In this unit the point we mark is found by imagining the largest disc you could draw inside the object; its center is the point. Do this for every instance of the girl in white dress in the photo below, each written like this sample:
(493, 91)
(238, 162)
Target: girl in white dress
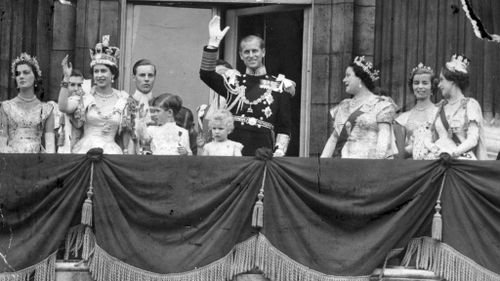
(165, 138)
(221, 124)
(418, 122)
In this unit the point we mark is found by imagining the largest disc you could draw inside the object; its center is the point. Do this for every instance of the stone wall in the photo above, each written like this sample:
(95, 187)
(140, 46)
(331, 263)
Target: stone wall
(342, 29)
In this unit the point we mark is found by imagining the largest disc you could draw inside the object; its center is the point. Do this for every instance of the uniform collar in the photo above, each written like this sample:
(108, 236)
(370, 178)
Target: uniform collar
(258, 72)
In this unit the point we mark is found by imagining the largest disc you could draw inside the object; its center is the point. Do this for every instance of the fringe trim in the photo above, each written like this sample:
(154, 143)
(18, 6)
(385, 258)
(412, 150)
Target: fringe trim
(277, 266)
(74, 241)
(42, 271)
(445, 261)
(105, 267)
(255, 252)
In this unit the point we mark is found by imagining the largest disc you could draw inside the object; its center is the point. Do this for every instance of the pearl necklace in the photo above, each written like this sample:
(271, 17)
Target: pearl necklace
(26, 99)
(109, 96)
(424, 108)
(356, 103)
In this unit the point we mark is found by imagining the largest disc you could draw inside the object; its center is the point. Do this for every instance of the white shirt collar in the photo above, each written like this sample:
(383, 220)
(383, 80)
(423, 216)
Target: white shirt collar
(143, 98)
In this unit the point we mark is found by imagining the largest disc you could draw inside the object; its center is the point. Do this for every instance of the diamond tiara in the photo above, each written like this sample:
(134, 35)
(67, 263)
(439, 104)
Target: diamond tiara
(458, 63)
(25, 58)
(367, 67)
(421, 68)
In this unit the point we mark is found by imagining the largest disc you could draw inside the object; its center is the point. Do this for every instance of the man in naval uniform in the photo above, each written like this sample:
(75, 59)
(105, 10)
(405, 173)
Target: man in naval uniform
(259, 102)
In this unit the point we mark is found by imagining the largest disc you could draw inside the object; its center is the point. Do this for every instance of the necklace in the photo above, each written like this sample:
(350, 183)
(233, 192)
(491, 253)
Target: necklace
(355, 103)
(454, 102)
(423, 108)
(104, 96)
(27, 99)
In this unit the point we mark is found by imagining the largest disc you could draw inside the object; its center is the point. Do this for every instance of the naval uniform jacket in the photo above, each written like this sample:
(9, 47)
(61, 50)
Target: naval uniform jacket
(274, 109)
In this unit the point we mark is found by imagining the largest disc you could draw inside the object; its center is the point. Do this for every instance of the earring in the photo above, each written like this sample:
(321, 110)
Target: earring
(360, 86)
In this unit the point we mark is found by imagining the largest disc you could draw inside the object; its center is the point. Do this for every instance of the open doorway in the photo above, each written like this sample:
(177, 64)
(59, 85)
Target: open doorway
(283, 32)
(156, 30)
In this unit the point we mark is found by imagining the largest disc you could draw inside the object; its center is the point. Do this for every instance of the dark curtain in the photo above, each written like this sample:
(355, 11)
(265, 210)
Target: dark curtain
(175, 214)
(39, 198)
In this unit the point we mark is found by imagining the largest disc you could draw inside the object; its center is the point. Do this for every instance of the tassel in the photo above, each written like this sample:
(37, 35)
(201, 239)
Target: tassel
(88, 236)
(87, 205)
(87, 209)
(258, 209)
(437, 223)
(258, 212)
(437, 220)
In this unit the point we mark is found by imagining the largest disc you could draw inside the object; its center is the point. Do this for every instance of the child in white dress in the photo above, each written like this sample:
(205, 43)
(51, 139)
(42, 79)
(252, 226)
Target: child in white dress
(221, 124)
(165, 137)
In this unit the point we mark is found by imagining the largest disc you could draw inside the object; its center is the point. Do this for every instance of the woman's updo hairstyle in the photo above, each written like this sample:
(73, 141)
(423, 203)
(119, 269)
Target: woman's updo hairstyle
(365, 71)
(457, 71)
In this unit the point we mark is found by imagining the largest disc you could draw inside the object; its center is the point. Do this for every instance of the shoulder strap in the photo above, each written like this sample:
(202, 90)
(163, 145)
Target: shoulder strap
(344, 134)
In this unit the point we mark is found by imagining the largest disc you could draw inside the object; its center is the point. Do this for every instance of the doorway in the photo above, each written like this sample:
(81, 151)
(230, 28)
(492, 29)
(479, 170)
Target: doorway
(282, 28)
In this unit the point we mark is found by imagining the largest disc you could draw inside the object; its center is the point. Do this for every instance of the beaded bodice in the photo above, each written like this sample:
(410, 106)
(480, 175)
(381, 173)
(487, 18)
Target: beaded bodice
(25, 122)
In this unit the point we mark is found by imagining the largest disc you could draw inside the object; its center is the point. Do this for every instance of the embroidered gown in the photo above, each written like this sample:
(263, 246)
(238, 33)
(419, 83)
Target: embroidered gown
(363, 136)
(469, 111)
(101, 128)
(422, 132)
(25, 124)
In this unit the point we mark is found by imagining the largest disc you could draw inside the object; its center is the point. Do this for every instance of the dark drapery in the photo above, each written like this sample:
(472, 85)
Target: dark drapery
(174, 214)
(39, 197)
(342, 217)
(179, 214)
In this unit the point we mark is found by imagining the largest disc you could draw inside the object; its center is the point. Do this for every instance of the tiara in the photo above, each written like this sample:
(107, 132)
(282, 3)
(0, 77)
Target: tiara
(104, 54)
(24, 58)
(458, 63)
(421, 68)
(367, 67)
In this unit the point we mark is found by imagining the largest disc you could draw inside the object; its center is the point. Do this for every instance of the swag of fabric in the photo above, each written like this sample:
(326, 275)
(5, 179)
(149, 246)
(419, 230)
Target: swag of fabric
(190, 218)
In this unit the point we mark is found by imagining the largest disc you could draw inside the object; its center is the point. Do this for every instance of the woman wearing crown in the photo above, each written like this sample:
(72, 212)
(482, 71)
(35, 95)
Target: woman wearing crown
(106, 113)
(24, 120)
(419, 132)
(460, 121)
(362, 124)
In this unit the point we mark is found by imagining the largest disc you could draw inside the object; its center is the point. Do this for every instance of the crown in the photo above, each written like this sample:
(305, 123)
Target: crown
(420, 69)
(458, 63)
(104, 54)
(24, 58)
(367, 67)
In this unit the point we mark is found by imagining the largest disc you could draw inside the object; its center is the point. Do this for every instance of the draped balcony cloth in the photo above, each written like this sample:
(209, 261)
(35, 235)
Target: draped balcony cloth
(483, 18)
(163, 218)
